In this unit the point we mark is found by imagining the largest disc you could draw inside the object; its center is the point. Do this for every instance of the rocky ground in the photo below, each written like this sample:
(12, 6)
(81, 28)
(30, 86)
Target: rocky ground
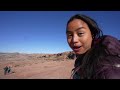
(37, 66)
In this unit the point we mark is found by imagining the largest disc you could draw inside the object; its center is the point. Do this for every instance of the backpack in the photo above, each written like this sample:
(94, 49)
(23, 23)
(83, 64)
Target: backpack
(112, 45)
(109, 67)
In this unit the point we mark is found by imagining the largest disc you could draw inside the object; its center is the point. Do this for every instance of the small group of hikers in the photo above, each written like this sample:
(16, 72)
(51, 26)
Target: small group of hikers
(7, 70)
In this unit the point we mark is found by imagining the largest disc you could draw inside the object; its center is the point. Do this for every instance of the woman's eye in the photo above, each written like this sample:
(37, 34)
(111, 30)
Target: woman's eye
(69, 35)
(80, 34)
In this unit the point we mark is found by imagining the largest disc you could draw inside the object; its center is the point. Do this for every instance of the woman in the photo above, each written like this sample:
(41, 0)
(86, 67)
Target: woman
(98, 55)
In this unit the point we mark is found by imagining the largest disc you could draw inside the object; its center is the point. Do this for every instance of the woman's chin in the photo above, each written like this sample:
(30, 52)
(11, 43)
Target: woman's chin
(79, 52)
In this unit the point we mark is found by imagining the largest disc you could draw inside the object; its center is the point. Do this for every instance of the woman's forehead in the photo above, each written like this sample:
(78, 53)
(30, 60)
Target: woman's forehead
(77, 21)
(76, 24)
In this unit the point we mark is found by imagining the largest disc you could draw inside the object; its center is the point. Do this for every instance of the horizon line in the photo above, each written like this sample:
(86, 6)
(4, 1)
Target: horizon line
(33, 53)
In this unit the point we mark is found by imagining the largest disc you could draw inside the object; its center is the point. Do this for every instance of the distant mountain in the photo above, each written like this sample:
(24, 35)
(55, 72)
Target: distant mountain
(22, 56)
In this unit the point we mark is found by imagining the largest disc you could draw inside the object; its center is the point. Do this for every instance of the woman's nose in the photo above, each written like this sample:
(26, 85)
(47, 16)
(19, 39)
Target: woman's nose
(75, 39)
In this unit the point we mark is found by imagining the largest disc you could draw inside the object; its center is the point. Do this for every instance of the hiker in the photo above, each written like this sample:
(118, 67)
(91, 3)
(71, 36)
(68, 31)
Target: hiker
(9, 69)
(98, 55)
(5, 70)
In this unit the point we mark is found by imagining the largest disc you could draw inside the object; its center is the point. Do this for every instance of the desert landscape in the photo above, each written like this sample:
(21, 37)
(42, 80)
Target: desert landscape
(37, 66)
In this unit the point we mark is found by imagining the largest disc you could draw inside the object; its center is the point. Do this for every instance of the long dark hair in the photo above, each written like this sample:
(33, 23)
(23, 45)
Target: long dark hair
(92, 61)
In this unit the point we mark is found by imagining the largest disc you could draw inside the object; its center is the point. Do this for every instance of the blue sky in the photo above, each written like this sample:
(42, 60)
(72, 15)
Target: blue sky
(44, 31)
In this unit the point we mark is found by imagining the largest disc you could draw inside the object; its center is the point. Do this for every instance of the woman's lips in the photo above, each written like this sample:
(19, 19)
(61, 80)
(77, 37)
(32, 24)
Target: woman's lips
(76, 48)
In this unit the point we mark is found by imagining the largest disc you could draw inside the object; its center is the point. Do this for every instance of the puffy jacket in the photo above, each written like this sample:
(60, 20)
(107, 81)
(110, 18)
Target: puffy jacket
(101, 62)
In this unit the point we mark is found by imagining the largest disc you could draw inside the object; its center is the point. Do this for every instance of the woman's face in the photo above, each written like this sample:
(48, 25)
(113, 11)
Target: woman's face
(79, 36)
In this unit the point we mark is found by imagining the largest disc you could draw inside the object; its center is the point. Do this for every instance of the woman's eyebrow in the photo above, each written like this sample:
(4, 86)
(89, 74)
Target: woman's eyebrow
(68, 31)
(79, 28)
